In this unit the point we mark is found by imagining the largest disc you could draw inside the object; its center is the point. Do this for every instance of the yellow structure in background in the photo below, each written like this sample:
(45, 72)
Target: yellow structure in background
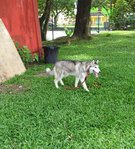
(98, 18)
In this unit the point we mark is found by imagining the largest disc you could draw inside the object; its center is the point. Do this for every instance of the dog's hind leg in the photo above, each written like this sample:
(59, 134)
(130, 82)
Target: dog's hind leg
(60, 78)
(56, 80)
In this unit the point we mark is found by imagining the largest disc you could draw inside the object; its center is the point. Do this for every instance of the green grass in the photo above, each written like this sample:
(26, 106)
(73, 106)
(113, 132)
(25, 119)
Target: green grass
(42, 117)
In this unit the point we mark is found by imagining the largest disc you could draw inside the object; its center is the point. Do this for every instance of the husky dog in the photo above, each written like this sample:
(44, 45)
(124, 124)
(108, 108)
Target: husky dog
(78, 69)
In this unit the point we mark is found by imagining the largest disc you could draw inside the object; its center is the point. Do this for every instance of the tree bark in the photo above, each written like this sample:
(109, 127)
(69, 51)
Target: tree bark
(55, 20)
(82, 19)
(45, 19)
(41, 20)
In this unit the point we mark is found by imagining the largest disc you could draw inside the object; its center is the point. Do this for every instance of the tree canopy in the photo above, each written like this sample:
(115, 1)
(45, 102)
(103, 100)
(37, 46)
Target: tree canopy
(56, 7)
(121, 13)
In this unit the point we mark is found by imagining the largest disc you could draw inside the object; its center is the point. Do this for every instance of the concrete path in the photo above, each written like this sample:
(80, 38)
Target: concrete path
(57, 34)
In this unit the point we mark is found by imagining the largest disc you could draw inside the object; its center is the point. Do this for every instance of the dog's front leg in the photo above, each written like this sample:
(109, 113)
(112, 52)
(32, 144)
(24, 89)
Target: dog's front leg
(61, 82)
(85, 86)
(84, 83)
(56, 83)
(76, 81)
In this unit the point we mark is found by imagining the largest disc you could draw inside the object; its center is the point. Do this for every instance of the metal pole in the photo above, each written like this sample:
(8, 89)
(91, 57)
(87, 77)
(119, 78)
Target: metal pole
(110, 14)
(52, 29)
(98, 22)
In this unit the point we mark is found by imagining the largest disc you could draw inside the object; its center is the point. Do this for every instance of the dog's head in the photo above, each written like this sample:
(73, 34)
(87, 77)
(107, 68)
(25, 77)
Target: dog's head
(94, 68)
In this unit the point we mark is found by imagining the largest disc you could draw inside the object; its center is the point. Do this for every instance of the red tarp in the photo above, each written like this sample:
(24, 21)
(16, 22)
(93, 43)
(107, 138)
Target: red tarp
(21, 20)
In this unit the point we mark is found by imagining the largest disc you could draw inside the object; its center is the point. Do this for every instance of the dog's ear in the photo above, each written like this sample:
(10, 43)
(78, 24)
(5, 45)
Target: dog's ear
(93, 62)
(97, 61)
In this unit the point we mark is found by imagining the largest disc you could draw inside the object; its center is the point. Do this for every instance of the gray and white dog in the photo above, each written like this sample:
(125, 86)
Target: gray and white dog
(78, 69)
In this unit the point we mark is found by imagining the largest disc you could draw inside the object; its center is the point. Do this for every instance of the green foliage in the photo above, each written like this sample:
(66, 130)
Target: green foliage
(123, 16)
(35, 57)
(104, 4)
(26, 55)
(131, 4)
(68, 31)
(41, 5)
(65, 7)
(131, 22)
(58, 6)
(41, 116)
(121, 12)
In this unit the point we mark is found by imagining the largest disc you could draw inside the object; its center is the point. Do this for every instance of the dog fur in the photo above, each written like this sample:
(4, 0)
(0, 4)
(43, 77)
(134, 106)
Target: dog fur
(79, 69)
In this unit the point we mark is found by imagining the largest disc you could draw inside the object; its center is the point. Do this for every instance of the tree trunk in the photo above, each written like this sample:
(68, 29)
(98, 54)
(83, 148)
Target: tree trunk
(82, 19)
(45, 19)
(41, 19)
(55, 20)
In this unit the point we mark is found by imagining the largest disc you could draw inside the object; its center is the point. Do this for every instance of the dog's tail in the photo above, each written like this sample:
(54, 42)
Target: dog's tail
(49, 72)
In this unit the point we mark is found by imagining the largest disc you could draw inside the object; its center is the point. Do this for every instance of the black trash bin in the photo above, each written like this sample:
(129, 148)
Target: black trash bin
(50, 54)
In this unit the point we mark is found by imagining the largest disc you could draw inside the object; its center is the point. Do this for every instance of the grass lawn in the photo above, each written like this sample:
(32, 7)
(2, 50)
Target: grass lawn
(39, 116)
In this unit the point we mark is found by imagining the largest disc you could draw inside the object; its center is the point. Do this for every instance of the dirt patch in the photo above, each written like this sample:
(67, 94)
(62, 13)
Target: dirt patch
(97, 84)
(42, 74)
(11, 88)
